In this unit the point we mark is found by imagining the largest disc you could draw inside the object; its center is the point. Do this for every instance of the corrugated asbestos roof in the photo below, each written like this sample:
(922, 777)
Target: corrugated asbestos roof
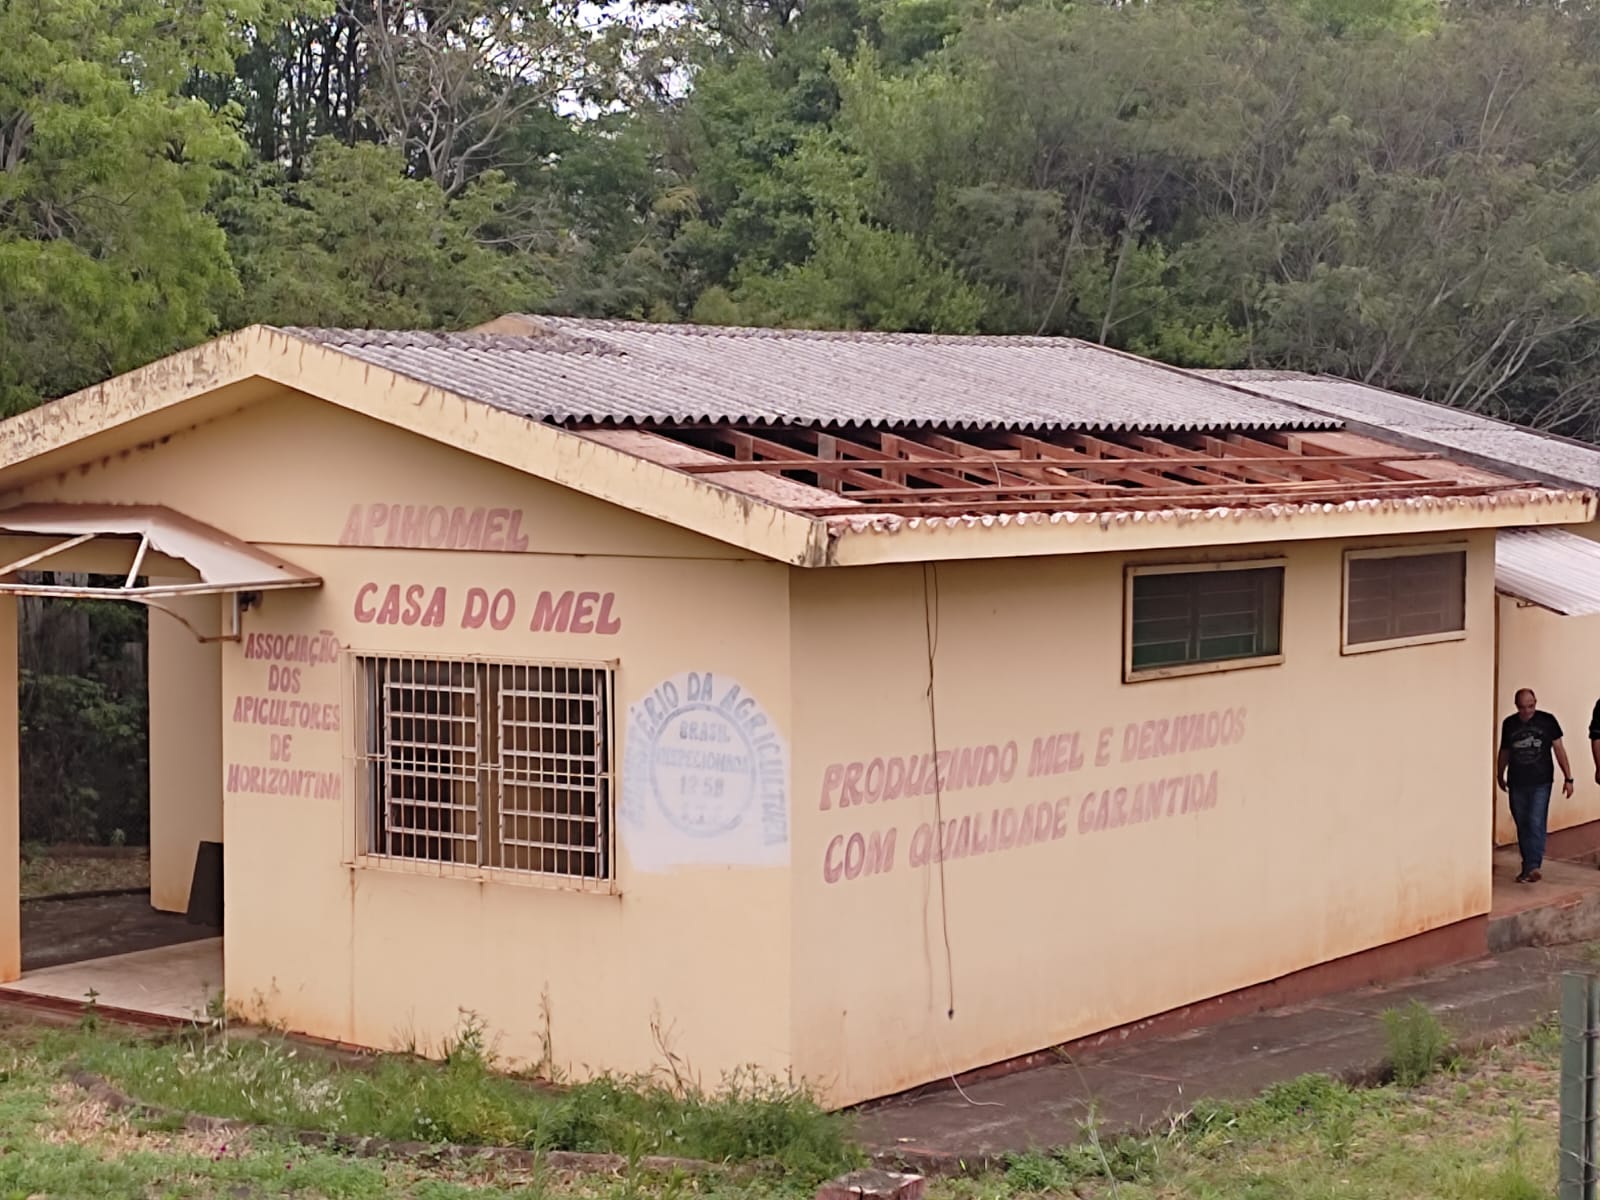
(606, 371)
(1450, 429)
(1552, 568)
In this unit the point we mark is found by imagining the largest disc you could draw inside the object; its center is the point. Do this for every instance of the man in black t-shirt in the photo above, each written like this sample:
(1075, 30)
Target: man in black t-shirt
(1528, 737)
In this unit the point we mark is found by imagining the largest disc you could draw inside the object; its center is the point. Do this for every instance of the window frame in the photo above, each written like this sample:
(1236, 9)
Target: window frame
(1132, 571)
(1347, 647)
(360, 823)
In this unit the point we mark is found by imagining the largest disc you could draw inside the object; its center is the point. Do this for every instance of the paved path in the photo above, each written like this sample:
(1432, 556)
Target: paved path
(1141, 1086)
(68, 931)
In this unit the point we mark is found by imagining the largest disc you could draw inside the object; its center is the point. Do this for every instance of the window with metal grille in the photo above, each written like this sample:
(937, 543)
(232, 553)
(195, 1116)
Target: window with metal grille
(1404, 596)
(488, 765)
(1197, 616)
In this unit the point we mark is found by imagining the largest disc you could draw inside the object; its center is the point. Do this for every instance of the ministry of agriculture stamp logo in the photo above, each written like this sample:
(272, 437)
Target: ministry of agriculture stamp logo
(705, 777)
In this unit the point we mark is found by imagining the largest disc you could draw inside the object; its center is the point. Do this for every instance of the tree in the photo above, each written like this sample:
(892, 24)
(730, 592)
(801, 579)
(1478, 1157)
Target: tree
(356, 243)
(859, 277)
(452, 80)
(108, 257)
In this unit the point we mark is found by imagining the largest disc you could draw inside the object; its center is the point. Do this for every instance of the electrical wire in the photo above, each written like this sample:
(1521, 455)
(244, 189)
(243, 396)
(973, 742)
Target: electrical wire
(930, 610)
(930, 619)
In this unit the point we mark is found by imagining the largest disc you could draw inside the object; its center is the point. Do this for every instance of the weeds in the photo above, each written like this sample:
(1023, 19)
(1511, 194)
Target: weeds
(1546, 1036)
(463, 1099)
(90, 1021)
(1417, 1041)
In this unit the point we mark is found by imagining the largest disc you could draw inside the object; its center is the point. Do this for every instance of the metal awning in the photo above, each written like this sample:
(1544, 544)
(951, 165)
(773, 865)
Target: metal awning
(1551, 568)
(222, 563)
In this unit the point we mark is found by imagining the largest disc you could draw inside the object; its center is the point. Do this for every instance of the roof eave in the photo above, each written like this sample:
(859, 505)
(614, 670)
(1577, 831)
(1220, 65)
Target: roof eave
(864, 542)
(141, 398)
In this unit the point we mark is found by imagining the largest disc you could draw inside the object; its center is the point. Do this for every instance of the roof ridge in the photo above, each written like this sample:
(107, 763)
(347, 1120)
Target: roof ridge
(557, 322)
(554, 341)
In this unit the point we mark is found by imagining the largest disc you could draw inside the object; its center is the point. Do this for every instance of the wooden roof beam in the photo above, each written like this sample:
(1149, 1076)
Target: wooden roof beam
(895, 467)
(1003, 464)
(750, 445)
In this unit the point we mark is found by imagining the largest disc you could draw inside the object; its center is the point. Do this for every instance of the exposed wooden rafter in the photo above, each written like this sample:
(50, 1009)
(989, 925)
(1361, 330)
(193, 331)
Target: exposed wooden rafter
(922, 471)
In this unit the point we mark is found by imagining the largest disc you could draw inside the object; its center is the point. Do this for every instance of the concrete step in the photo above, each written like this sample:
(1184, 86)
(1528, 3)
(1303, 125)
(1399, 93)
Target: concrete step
(1562, 907)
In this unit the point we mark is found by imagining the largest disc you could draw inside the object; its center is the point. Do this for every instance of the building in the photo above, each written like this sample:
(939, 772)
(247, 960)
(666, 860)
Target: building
(870, 708)
(1547, 613)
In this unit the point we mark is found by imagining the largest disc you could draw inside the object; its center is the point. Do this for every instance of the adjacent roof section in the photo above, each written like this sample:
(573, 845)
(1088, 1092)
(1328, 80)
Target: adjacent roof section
(1542, 456)
(1551, 568)
(568, 370)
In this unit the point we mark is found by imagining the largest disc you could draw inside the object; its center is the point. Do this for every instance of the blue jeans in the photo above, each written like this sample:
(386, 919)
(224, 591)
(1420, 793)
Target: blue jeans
(1530, 809)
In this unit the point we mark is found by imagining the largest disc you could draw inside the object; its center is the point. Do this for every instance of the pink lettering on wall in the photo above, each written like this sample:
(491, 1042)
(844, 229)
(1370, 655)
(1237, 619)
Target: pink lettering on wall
(417, 604)
(279, 712)
(434, 527)
(858, 855)
(1112, 808)
(312, 649)
(294, 663)
(411, 604)
(998, 830)
(882, 779)
(1181, 735)
(1002, 828)
(1063, 752)
(253, 780)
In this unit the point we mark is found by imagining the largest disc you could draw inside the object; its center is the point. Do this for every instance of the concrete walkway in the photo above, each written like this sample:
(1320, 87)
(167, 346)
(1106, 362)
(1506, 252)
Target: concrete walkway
(1141, 1086)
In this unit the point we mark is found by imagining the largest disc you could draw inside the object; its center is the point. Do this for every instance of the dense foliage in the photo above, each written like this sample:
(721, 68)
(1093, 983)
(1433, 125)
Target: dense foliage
(1390, 189)
(1401, 191)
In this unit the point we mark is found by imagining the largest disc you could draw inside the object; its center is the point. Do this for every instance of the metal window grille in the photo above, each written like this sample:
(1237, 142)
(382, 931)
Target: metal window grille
(1403, 596)
(487, 765)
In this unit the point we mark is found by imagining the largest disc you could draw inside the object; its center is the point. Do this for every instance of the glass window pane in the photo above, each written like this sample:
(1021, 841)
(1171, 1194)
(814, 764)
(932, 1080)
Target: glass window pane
(1406, 596)
(1205, 616)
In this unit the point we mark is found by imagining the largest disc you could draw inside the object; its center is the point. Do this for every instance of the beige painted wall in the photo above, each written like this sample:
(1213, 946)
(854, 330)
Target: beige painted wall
(690, 957)
(1348, 811)
(1556, 656)
(380, 958)
(185, 689)
(291, 470)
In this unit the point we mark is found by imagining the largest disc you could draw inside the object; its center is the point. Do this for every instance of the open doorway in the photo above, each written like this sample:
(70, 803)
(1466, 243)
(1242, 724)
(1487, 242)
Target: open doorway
(119, 802)
(190, 585)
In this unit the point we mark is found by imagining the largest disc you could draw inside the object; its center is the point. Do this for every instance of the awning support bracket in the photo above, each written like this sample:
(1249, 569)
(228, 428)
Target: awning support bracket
(23, 564)
(235, 631)
(138, 561)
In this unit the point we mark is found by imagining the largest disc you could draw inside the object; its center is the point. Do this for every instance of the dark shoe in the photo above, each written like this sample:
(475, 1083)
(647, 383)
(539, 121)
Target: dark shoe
(1523, 878)
(1534, 876)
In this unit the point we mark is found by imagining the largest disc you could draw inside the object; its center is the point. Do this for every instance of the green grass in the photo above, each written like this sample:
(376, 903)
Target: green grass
(1480, 1130)
(271, 1081)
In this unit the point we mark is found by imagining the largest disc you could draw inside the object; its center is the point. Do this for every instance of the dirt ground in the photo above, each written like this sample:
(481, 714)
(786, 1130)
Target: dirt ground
(66, 931)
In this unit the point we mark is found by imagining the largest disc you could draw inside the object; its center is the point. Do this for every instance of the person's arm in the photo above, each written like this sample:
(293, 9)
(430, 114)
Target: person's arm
(1566, 767)
(1501, 761)
(1594, 739)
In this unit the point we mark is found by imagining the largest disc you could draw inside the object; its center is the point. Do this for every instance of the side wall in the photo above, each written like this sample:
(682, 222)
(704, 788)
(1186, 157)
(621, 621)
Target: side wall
(689, 955)
(1337, 805)
(1556, 657)
(185, 688)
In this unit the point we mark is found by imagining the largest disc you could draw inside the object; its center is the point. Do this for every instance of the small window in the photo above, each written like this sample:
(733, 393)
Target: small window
(499, 766)
(1209, 616)
(1404, 597)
